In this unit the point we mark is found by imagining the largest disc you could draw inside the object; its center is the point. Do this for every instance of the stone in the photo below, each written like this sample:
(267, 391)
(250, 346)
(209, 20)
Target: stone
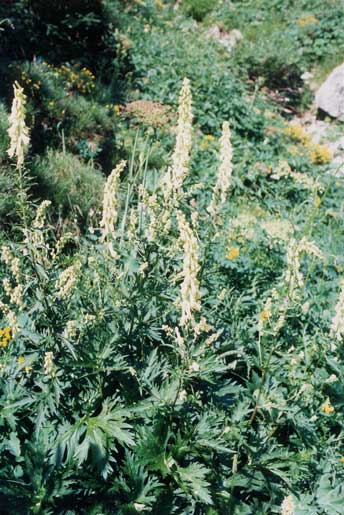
(330, 96)
(227, 39)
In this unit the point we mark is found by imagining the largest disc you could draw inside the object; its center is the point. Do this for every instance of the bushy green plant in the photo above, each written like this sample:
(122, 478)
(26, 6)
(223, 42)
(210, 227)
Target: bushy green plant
(198, 9)
(179, 358)
(71, 184)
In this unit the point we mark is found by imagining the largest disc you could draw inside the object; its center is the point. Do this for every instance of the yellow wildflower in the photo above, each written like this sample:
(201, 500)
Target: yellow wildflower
(327, 407)
(233, 253)
(265, 315)
(303, 21)
(20, 360)
(342, 459)
(320, 155)
(5, 336)
(298, 133)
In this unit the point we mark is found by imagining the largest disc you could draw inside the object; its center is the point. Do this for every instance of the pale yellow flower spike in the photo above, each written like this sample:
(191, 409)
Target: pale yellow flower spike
(110, 202)
(18, 131)
(225, 170)
(287, 506)
(175, 176)
(190, 293)
(337, 327)
(226, 166)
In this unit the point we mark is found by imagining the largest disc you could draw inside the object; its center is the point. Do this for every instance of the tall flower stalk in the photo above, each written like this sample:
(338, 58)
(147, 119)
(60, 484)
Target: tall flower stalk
(225, 170)
(18, 131)
(110, 205)
(337, 327)
(190, 292)
(174, 178)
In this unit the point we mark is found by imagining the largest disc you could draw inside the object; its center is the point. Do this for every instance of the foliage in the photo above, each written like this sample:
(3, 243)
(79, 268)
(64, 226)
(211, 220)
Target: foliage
(112, 400)
(70, 184)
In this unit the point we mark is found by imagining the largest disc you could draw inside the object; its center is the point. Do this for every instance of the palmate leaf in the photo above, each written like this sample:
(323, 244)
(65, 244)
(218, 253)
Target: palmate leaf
(330, 499)
(95, 436)
(192, 479)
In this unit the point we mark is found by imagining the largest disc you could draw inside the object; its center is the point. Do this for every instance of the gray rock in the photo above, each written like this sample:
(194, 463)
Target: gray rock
(228, 39)
(330, 95)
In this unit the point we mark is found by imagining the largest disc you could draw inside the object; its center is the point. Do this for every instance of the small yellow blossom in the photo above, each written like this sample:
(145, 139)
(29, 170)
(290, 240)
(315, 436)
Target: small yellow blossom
(320, 155)
(342, 459)
(5, 336)
(20, 360)
(303, 21)
(298, 133)
(233, 253)
(327, 407)
(265, 315)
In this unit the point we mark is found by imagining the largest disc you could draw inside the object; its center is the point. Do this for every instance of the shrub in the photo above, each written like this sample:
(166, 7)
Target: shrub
(198, 9)
(72, 186)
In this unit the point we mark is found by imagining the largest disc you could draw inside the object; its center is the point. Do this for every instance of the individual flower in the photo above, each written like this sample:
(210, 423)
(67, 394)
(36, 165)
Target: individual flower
(18, 131)
(233, 253)
(327, 407)
(190, 292)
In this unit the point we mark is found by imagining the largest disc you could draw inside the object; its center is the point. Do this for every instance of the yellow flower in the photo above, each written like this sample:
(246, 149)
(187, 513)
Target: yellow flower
(265, 315)
(298, 133)
(342, 459)
(320, 155)
(307, 20)
(20, 360)
(233, 253)
(5, 336)
(327, 407)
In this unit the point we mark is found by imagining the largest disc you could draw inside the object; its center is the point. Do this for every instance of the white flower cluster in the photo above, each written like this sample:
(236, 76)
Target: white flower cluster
(110, 203)
(225, 169)
(190, 293)
(337, 327)
(18, 131)
(175, 175)
(67, 280)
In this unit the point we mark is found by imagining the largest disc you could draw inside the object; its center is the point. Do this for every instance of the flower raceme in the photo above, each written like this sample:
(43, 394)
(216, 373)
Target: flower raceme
(18, 131)
(175, 175)
(337, 327)
(110, 203)
(225, 169)
(190, 293)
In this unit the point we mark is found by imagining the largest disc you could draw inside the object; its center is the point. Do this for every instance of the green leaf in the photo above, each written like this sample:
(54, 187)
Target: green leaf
(193, 480)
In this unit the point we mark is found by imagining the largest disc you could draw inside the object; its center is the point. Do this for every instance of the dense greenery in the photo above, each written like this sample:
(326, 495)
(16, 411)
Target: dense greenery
(113, 399)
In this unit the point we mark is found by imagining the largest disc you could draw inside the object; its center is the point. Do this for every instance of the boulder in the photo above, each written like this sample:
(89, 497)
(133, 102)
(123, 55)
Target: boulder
(228, 39)
(330, 96)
